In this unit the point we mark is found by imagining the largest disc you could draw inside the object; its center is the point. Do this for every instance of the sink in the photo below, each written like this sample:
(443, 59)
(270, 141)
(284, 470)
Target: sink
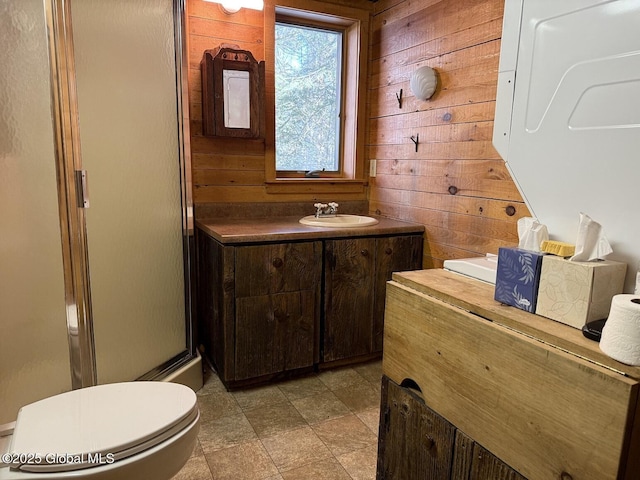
(340, 220)
(482, 268)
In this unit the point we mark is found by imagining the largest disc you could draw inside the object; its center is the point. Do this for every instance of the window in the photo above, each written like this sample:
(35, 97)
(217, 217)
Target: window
(308, 79)
(316, 67)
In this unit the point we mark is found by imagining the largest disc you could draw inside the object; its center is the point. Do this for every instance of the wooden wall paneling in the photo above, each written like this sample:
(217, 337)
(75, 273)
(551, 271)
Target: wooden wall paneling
(432, 176)
(456, 184)
(234, 171)
(475, 112)
(465, 64)
(479, 206)
(426, 20)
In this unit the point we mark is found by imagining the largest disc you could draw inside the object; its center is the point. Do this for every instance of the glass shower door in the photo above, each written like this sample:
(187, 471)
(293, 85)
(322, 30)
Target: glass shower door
(128, 117)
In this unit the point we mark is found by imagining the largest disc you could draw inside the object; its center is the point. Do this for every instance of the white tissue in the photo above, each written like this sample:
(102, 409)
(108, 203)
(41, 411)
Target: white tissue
(621, 333)
(531, 234)
(591, 243)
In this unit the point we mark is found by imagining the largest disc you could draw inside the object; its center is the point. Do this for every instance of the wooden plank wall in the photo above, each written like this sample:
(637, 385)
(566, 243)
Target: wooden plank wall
(455, 184)
(224, 170)
(229, 170)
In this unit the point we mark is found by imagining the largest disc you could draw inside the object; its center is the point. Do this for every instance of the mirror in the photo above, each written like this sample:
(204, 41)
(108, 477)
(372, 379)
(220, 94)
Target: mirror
(232, 93)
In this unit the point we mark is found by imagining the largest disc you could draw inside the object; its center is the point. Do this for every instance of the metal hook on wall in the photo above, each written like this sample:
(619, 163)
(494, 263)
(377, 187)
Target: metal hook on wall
(416, 140)
(399, 98)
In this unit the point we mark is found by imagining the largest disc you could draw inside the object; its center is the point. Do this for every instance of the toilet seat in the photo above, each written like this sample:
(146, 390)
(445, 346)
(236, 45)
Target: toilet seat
(99, 425)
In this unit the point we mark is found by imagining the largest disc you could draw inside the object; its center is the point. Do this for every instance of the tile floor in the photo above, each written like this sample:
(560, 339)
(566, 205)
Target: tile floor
(321, 427)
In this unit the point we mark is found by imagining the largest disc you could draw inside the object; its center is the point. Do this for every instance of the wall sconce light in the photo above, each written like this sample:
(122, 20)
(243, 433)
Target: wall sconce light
(424, 82)
(233, 6)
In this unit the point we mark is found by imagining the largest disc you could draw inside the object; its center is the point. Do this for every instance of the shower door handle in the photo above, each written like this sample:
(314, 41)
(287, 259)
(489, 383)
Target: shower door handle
(82, 189)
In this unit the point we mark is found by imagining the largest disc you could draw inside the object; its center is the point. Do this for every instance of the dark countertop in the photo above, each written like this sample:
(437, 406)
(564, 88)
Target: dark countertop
(276, 229)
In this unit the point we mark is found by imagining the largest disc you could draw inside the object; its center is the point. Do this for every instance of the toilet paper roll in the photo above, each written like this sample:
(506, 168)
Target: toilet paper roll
(621, 334)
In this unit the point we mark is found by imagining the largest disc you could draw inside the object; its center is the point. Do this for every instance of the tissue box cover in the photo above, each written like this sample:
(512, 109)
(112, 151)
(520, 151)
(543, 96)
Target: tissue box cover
(575, 293)
(518, 277)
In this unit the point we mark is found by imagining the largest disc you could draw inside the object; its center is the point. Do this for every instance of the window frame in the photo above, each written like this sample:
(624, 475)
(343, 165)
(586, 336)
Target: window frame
(355, 24)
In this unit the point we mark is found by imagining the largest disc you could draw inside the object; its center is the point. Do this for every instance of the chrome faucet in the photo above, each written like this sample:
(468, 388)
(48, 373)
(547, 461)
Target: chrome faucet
(326, 209)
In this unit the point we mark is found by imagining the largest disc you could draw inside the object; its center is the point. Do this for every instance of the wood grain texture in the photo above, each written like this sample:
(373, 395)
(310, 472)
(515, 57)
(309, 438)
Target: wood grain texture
(216, 303)
(487, 466)
(222, 173)
(275, 333)
(393, 254)
(348, 305)
(415, 443)
(541, 410)
(456, 184)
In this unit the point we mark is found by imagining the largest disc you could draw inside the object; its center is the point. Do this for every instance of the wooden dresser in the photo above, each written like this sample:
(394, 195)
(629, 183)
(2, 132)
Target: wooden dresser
(473, 389)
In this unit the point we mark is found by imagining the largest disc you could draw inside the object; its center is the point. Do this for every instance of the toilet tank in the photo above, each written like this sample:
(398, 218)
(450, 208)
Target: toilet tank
(567, 118)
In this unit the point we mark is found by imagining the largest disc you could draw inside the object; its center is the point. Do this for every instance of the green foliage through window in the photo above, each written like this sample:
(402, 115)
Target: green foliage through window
(308, 83)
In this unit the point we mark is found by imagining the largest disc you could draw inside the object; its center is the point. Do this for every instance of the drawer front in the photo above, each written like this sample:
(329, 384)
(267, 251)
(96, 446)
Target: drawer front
(543, 411)
(277, 268)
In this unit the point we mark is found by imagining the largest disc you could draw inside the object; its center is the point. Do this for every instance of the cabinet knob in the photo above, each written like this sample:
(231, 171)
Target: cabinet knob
(364, 252)
(388, 250)
(277, 262)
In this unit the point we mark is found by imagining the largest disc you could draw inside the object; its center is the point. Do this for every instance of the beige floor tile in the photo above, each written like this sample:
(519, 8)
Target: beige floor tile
(216, 405)
(295, 448)
(358, 397)
(302, 387)
(371, 418)
(225, 432)
(361, 464)
(345, 434)
(212, 383)
(259, 397)
(341, 378)
(329, 469)
(273, 419)
(246, 461)
(196, 468)
(371, 371)
(318, 408)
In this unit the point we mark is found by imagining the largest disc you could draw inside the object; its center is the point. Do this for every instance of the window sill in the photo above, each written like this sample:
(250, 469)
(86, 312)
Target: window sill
(315, 185)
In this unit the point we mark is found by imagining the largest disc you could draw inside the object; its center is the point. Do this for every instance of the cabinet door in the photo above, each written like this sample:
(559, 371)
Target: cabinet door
(275, 333)
(348, 300)
(414, 442)
(277, 313)
(471, 461)
(393, 254)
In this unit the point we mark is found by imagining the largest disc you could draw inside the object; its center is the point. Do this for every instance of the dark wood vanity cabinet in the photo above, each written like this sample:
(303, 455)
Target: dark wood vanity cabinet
(356, 272)
(269, 308)
(415, 443)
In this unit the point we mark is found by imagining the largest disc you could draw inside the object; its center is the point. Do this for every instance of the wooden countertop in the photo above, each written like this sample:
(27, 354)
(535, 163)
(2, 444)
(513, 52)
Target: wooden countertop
(477, 297)
(278, 229)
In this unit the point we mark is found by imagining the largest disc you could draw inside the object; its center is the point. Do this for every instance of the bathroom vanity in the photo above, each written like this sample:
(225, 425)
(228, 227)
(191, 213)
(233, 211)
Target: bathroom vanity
(473, 389)
(276, 296)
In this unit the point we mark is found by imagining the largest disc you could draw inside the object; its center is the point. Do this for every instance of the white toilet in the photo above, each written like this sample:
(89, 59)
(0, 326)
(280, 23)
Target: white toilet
(134, 430)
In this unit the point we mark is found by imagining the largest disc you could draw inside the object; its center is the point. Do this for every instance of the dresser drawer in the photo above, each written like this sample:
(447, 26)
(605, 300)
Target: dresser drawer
(547, 413)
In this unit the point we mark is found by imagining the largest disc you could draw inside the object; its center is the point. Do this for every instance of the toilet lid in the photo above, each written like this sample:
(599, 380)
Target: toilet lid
(99, 425)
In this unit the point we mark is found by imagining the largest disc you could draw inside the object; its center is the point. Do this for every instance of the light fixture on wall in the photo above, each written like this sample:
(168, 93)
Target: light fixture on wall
(424, 82)
(233, 6)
